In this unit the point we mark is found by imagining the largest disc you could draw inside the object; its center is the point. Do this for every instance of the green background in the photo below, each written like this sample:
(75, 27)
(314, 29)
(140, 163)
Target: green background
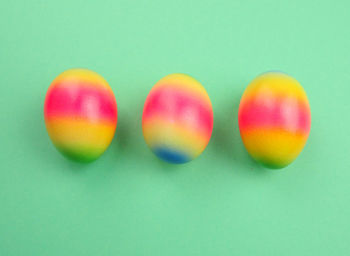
(130, 203)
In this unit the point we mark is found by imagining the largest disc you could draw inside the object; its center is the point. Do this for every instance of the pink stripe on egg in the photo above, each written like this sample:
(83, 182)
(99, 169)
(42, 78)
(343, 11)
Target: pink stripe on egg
(180, 107)
(79, 100)
(287, 113)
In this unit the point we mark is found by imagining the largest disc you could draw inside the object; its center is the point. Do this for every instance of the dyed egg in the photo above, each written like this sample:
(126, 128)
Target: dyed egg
(177, 119)
(80, 114)
(274, 119)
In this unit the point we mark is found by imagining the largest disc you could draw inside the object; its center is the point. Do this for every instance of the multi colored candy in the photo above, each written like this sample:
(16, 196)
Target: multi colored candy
(80, 114)
(177, 118)
(274, 119)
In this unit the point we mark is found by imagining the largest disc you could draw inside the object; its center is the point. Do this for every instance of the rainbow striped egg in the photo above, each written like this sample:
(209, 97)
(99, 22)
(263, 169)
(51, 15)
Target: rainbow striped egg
(274, 119)
(177, 119)
(80, 114)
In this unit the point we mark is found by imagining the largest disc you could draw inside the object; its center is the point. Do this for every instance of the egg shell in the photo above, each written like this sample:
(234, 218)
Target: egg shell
(177, 119)
(274, 119)
(80, 114)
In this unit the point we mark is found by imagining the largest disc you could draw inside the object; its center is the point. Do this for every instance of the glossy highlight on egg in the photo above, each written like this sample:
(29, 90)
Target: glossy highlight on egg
(274, 119)
(80, 114)
(177, 119)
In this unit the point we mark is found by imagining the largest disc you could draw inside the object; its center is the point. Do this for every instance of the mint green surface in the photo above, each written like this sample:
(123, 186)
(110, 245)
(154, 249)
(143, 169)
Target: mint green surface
(130, 203)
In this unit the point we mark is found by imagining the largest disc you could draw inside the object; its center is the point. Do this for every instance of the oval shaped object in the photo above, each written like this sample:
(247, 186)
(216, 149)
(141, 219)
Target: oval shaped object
(177, 119)
(274, 119)
(80, 114)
